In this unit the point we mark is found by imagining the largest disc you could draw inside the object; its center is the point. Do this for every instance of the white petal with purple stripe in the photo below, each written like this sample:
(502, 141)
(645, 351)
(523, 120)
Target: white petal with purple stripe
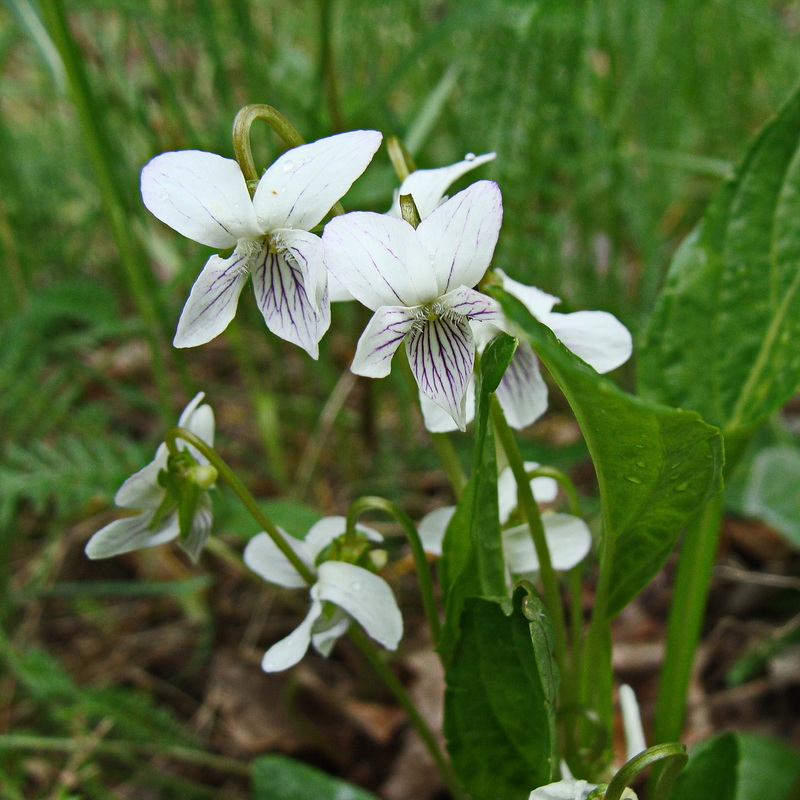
(523, 393)
(381, 338)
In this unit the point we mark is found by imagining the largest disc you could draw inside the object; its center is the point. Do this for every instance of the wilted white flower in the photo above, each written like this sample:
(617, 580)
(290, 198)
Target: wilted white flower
(204, 196)
(357, 593)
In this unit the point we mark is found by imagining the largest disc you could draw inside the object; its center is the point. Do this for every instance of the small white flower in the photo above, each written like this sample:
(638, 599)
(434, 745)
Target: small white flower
(418, 284)
(568, 538)
(204, 196)
(358, 593)
(143, 493)
(427, 187)
(566, 789)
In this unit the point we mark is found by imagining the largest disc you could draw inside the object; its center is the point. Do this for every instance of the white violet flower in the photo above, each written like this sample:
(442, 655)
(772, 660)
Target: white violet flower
(357, 593)
(417, 281)
(568, 538)
(143, 493)
(204, 196)
(427, 187)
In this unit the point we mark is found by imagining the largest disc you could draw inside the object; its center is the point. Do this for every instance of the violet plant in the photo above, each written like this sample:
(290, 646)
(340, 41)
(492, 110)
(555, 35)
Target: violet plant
(530, 700)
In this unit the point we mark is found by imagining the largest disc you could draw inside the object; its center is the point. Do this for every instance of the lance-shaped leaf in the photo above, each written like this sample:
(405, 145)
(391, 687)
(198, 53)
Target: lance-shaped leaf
(502, 683)
(724, 339)
(472, 552)
(656, 466)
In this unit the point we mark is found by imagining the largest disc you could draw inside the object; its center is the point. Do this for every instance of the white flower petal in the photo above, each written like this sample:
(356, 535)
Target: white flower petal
(379, 260)
(568, 789)
(324, 637)
(539, 303)
(213, 300)
(476, 307)
(130, 533)
(200, 529)
(279, 284)
(432, 528)
(544, 489)
(201, 195)
(568, 540)
(437, 420)
(427, 186)
(460, 235)
(302, 186)
(287, 652)
(323, 532)
(265, 559)
(379, 341)
(141, 490)
(365, 597)
(441, 353)
(635, 742)
(597, 337)
(522, 392)
(337, 291)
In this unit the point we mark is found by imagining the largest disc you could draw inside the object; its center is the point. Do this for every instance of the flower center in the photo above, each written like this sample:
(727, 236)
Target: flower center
(432, 311)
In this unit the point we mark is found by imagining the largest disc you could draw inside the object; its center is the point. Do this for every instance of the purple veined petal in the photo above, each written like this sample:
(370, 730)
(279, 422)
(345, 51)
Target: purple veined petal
(539, 303)
(460, 235)
(141, 491)
(437, 420)
(365, 597)
(427, 186)
(379, 260)
(522, 392)
(326, 632)
(287, 652)
(323, 532)
(568, 540)
(200, 528)
(544, 489)
(201, 195)
(597, 337)
(265, 559)
(379, 341)
(302, 186)
(441, 353)
(432, 528)
(279, 284)
(131, 533)
(475, 306)
(213, 300)
(305, 250)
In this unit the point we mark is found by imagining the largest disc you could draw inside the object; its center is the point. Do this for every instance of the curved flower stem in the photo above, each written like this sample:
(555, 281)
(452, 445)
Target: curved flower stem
(530, 511)
(247, 499)
(573, 499)
(362, 504)
(401, 695)
(675, 758)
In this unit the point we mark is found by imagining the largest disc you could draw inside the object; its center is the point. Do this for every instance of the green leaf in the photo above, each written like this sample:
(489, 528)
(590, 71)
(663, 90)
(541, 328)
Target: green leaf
(771, 492)
(724, 339)
(737, 766)
(656, 466)
(472, 562)
(499, 713)
(277, 777)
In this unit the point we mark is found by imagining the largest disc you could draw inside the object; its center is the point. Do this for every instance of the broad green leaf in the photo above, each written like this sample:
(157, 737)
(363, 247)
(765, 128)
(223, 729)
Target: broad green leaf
(736, 766)
(472, 554)
(278, 777)
(656, 466)
(499, 713)
(772, 492)
(724, 339)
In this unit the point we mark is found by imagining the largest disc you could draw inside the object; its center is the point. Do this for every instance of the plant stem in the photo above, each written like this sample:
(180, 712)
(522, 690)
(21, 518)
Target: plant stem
(247, 499)
(358, 507)
(686, 618)
(98, 144)
(327, 66)
(415, 718)
(530, 510)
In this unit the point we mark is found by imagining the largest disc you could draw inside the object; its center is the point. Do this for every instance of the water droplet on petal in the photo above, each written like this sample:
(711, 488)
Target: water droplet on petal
(469, 157)
(269, 666)
(283, 188)
(355, 586)
(288, 166)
